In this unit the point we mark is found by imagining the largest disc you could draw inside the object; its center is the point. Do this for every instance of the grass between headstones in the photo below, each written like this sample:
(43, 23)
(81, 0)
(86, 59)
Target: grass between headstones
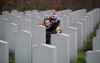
(87, 46)
(81, 57)
(11, 57)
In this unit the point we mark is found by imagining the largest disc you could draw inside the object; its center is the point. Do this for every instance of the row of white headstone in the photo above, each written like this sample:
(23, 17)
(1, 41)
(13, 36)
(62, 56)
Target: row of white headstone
(27, 39)
(4, 54)
(94, 56)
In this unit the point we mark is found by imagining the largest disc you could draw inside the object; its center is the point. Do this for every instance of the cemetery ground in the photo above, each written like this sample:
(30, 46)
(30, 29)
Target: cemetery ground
(81, 52)
(26, 41)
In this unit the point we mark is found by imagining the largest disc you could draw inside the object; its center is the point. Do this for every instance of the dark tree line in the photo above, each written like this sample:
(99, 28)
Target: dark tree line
(48, 4)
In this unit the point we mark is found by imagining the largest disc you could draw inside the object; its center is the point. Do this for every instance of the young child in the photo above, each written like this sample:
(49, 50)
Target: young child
(52, 25)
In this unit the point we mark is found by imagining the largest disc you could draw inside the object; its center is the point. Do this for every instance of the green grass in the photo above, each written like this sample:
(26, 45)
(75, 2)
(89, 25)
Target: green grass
(11, 58)
(89, 41)
(81, 57)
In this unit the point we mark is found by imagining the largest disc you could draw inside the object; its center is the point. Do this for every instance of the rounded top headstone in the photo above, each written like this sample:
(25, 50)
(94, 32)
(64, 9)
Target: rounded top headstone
(5, 13)
(14, 12)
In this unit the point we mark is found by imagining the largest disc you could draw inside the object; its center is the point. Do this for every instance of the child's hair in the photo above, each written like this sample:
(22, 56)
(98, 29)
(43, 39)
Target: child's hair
(45, 21)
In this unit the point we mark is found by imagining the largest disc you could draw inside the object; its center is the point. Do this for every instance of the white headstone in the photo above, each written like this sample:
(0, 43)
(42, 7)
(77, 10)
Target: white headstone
(38, 35)
(34, 11)
(96, 44)
(79, 27)
(4, 53)
(93, 56)
(84, 21)
(4, 18)
(64, 17)
(44, 54)
(28, 12)
(20, 21)
(14, 12)
(9, 35)
(23, 46)
(46, 13)
(27, 23)
(64, 12)
(72, 31)
(5, 13)
(93, 18)
(77, 15)
(65, 21)
(37, 19)
(96, 14)
(63, 47)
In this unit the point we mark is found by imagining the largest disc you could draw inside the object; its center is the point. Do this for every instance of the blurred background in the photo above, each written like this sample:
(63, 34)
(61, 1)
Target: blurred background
(22, 5)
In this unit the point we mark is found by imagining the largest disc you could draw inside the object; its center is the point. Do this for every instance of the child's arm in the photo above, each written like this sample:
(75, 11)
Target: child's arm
(42, 25)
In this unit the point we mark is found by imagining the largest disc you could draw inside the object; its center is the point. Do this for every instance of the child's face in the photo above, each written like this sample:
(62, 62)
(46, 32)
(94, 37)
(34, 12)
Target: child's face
(47, 23)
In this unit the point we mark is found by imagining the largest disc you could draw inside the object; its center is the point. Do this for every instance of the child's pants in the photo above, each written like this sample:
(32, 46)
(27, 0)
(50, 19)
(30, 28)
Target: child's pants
(48, 36)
